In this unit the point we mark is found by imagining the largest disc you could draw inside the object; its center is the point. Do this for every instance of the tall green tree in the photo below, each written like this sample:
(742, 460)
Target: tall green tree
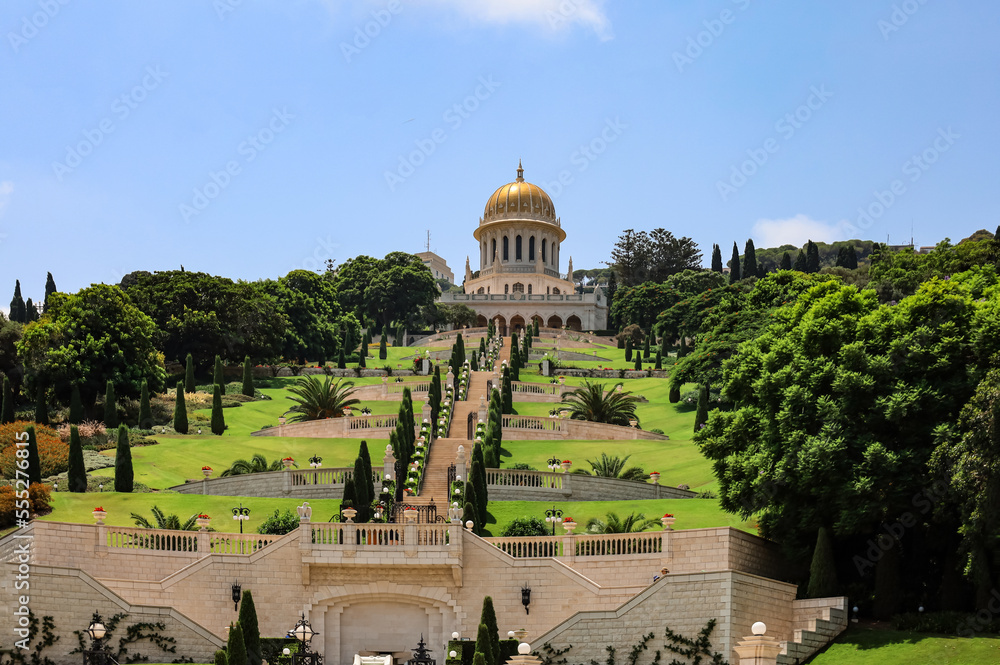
(488, 618)
(478, 476)
(701, 415)
(180, 411)
(218, 375)
(50, 288)
(41, 406)
(189, 384)
(484, 647)
(628, 349)
(220, 658)
(251, 630)
(786, 262)
(341, 359)
(110, 406)
(34, 463)
(361, 488)
(716, 258)
(248, 388)
(75, 406)
(218, 418)
(368, 477)
(124, 475)
(386, 290)
(800, 262)
(236, 649)
(30, 311)
(823, 570)
(734, 265)
(749, 259)
(383, 353)
(18, 311)
(77, 474)
(812, 257)
(145, 412)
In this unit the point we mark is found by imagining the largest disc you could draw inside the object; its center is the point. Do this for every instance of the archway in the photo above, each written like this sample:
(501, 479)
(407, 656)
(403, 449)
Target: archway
(574, 323)
(501, 324)
(516, 324)
(481, 321)
(539, 320)
(555, 322)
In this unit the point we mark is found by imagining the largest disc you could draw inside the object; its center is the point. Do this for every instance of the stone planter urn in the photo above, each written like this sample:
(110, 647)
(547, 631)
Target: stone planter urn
(566, 465)
(206, 471)
(288, 461)
(203, 522)
(633, 422)
(569, 526)
(668, 522)
(520, 634)
(349, 514)
(99, 515)
(409, 515)
(655, 477)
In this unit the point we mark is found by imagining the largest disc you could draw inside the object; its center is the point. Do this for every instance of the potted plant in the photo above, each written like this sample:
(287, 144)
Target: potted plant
(569, 525)
(203, 521)
(655, 477)
(566, 464)
(349, 513)
(288, 462)
(668, 521)
(206, 471)
(99, 515)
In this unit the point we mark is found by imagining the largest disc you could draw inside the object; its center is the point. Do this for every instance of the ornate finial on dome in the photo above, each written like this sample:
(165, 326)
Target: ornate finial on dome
(520, 172)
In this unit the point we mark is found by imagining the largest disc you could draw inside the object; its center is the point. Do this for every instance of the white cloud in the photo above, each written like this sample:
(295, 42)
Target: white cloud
(796, 231)
(555, 15)
(6, 189)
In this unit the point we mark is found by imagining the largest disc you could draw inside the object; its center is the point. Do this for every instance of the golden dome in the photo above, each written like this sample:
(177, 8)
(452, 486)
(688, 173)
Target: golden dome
(520, 200)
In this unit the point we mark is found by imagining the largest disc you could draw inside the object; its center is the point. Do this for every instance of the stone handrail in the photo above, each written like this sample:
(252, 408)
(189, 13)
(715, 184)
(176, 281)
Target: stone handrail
(535, 388)
(372, 422)
(239, 543)
(414, 387)
(586, 545)
(328, 476)
(165, 540)
(334, 428)
(524, 478)
(353, 536)
(533, 423)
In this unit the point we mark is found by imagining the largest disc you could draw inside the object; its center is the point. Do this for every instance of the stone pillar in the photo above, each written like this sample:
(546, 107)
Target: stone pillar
(760, 649)
(524, 656)
(286, 480)
(204, 544)
(425, 411)
(460, 469)
(482, 409)
(425, 366)
(388, 464)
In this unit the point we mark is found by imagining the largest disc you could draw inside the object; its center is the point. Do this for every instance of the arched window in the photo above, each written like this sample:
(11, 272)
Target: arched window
(548, 290)
(529, 286)
(555, 290)
(531, 248)
(517, 248)
(506, 288)
(517, 288)
(506, 248)
(493, 255)
(545, 244)
(481, 290)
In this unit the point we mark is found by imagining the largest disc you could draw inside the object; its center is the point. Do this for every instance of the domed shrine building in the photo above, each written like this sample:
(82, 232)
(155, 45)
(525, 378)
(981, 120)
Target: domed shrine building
(518, 281)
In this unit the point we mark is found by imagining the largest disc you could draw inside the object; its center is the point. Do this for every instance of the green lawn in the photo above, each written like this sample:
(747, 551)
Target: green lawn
(865, 646)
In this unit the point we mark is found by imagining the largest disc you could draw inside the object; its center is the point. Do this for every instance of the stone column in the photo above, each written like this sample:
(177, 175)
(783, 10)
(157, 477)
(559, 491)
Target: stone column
(759, 649)
(524, 656)
(482, 408)
(388, 464)
(460, 469)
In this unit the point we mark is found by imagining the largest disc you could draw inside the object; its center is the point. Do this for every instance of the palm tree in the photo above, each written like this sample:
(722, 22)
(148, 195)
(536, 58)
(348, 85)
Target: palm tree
(611, 523)
(612, 466)
(591, 402)
(256, 464)
(165, 521)
(317, 400)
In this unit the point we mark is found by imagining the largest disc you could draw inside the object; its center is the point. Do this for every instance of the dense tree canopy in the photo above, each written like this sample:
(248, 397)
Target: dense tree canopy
(385, 290)
(639, 257)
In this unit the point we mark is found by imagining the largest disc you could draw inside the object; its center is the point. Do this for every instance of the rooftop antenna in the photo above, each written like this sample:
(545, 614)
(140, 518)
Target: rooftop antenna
(911, 232)
(428, 240)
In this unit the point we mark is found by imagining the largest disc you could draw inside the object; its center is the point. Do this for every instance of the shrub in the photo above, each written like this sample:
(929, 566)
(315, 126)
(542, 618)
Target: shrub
(53, 453)
(39, 499)
(525, 526)
(279, 524)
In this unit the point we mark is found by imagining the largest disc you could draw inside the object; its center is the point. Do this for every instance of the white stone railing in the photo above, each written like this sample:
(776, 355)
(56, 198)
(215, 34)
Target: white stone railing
(351, 536)
(394, 387)
(586, 545)
(534, 388)
(524, 478)
(533, 423)
(164, 540)
(328, 476)
(238, 543)
(371, 422)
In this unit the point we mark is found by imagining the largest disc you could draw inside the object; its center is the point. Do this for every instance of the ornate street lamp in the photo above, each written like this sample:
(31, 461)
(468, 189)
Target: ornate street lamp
(304, 632)
(554, 463)
(96, 655)
(315, 461)
(241, 515)
(552, 515)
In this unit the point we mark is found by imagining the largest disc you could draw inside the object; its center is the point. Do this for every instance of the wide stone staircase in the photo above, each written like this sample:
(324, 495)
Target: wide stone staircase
(817, 622)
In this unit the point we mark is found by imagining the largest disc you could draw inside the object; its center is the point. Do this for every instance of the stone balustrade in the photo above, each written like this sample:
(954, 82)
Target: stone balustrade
(330, 476)
(166, 540)
(519, 428)
(585, 545)
(524, 478)
(348, 427)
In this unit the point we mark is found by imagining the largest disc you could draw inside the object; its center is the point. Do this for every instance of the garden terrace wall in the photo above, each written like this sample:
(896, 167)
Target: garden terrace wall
(323, 483)
(348, 427)
(518, 485)
(530, 428)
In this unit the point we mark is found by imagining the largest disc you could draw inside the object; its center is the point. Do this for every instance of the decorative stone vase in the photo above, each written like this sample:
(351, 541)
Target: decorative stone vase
(349, 514)
(668, 523)
(288, 463)
(633, 422)
(409, 515)
(206, 471)
(655, 477)
(569, 526)
(566, 465)
(203, 523)
(99, 516)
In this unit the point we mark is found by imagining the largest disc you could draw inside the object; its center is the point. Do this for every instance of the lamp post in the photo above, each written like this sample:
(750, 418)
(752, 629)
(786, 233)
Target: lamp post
(554, 463)
(96, 655)
(304, 632)
(552, 515)
(241, 514)
(315, 461)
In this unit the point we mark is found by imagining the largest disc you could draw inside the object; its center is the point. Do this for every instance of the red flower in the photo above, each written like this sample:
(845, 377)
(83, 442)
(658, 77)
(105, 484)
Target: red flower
(99, 509)
(203, 517)
(668, 515)
(206, 468)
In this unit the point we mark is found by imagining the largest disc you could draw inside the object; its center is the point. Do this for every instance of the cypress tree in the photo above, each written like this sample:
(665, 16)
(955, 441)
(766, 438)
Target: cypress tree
(77, 469)
(507, 393)
(488, 618)
(628, 349)
(383, 353)
(800, 262)
(110, 407)
(362, 353)
(180, 411)
(34, 463)
(236, 650)
(350, 498)
(761, 271)
(812, 257)
(124, 475)
(734, 266)
(474, 365)
(664, 351)
(220, 658)
(840, 257)
(716, 258)
(750, 259)
(41, 407)
(7, 412)
(850, 258)
(341, 359)
(683, 350)
(469, 511)
(247, 378)
(535, 331)
(434, 395)
(369, 477)
(145, 412)
(189, 385)
(75, 406)
(218, 419)
(638, 362)
(823, 570)
(645, 347)
(50, 288)
(251, 630)
(17, 307)
(786, 262)
(675, 393)
(659, 360)
(484, 646)
(701, 415)
(478, 476)
(362, 500)
(218, 376)
(621, 341)
(30, 313)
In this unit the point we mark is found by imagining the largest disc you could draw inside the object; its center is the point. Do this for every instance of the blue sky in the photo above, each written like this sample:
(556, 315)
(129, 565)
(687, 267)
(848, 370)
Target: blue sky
(248, 138)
